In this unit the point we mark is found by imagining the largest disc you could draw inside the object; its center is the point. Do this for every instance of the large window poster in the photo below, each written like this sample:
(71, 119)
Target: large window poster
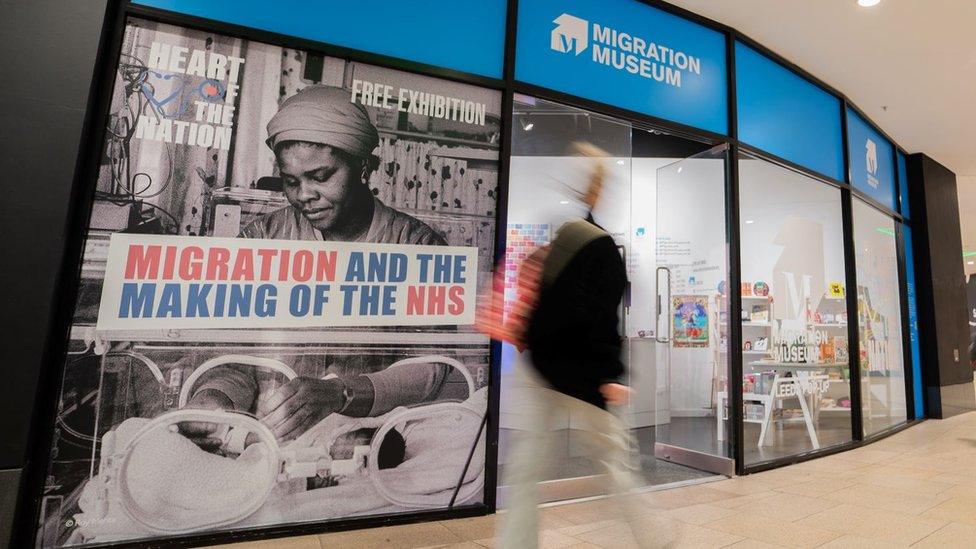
(274, 317)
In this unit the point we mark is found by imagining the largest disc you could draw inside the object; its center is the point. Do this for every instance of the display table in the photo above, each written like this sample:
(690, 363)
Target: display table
(787, 383)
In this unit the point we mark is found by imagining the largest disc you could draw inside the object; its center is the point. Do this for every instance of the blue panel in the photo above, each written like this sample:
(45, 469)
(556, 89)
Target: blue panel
(466, 36)
(913, 322)
(872, 161)
(627, 54)
(786, 115)
(903, 184)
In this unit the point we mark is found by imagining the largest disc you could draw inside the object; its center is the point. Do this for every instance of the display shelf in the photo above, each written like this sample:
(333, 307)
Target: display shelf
(829, 325)
(755, 297)
(751, 324)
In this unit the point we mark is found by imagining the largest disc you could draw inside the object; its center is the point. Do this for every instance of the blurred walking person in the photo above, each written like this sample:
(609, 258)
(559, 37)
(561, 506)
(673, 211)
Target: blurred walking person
(572, 339)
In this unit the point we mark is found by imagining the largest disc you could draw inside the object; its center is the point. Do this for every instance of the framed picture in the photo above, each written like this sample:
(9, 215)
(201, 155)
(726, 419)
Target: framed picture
(690, 322)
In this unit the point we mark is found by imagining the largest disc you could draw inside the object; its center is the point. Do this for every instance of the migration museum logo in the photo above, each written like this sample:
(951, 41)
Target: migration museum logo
(871, 155)
(623, 51)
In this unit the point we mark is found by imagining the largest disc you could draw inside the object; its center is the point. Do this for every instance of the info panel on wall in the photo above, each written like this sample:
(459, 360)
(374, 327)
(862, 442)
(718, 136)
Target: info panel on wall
(626, 54)
(466, 36)
(274, 317)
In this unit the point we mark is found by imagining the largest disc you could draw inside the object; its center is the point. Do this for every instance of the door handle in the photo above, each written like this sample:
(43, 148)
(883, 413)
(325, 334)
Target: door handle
(657, 284)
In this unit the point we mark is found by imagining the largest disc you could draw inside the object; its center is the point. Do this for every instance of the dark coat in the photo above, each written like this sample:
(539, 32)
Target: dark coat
(572, 333)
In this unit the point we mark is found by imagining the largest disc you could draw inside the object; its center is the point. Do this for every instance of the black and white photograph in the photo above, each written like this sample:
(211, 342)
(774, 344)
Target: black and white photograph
(181, 428)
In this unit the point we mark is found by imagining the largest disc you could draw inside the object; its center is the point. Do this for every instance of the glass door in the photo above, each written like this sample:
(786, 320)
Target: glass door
(692, 316)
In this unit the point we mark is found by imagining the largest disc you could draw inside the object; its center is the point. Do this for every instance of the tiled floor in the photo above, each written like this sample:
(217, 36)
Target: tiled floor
(914, 489)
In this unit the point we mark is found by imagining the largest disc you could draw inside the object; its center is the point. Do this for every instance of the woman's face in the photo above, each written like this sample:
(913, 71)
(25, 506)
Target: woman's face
(323, 185)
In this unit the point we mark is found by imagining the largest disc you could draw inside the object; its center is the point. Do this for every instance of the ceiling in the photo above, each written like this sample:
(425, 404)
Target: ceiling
(909, 64)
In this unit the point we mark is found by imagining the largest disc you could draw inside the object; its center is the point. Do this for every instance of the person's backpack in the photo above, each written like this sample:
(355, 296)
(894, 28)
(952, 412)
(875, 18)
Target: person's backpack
(509, 325)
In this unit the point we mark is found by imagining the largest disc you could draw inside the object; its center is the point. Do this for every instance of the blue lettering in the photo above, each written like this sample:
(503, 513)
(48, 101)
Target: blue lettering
(377, 268)
(389, 300)
(424, 260)
(169, 302)
(321, 298)
(265, 303)
(398, 267)
(348, 292)
(301, 297)
(356, 269)
(240, 300)
(196, 300)
(220, 296)
(137, 300)
(369, 300)
(459, 268)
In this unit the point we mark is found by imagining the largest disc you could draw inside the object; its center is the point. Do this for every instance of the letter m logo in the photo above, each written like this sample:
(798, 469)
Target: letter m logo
(570, 35)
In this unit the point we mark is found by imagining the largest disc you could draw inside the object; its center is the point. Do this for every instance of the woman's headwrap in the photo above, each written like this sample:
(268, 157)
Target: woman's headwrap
(324, 115)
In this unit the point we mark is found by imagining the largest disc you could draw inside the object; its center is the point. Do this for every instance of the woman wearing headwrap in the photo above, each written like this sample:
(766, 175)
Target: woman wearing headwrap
(323, 144)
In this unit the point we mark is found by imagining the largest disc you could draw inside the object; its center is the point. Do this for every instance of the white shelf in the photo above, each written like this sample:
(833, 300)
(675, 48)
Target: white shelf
(751, 324)
(748, 352)
(835, 409)
(755, 297)
(829, 325)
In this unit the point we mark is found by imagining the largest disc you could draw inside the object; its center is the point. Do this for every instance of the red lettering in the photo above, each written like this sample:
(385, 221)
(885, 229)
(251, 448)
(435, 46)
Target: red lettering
(435, 300)
(301, 267)
(169, 265)
(266, 257)
(283, 266)
(415, 300)
(456, 295)
(142, 262)
(217, 259)
(243, 265)
(326, 267)
(191, 263)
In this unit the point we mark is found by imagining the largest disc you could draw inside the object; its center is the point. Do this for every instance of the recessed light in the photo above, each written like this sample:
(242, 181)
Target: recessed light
(680, 168)
(529, 126)
(621, 162)
(564, 202)
(971, 263)
(750, 221)
(868, 3)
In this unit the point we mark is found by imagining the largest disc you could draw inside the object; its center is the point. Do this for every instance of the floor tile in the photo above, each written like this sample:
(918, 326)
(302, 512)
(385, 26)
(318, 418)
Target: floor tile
(787, 535)
(876, 497)
(957, 509)
(699, 514)
(789, 507)
(472, 528)
(952, 536)
(816, 488)
(753, 544)
(856, 542)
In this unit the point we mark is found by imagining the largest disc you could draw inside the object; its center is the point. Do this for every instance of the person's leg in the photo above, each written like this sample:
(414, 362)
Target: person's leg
(520, 524)
(616, 450)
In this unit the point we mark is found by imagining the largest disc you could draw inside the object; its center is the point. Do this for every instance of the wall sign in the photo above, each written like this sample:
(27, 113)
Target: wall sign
(467, 36)
(872, 161)
(627, 54)
(787, 115)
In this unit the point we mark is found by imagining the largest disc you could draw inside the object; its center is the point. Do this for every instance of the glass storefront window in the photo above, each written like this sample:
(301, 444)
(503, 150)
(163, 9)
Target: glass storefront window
(883, 399)
(796, 378)
(663, 203)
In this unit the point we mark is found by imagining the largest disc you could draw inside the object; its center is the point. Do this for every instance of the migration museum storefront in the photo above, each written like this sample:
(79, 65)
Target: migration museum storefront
(292, 210)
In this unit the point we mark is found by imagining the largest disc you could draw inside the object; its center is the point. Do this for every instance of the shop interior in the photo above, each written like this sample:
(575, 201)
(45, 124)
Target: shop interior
(665, 206)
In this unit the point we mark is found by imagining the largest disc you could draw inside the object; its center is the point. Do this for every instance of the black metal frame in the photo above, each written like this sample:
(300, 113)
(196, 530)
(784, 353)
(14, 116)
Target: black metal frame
(82, 193)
